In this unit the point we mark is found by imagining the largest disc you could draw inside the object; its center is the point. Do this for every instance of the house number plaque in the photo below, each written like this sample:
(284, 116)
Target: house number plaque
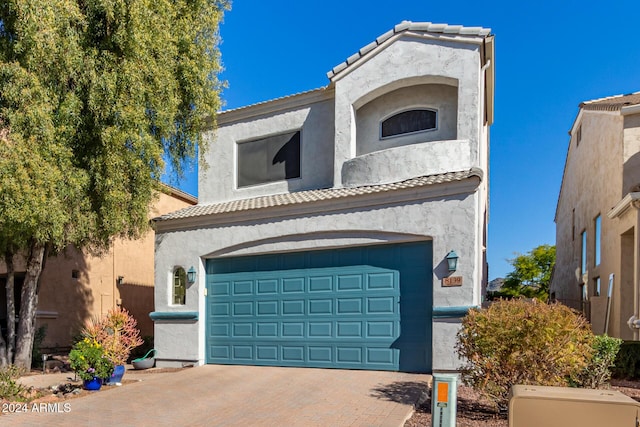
(452, 281)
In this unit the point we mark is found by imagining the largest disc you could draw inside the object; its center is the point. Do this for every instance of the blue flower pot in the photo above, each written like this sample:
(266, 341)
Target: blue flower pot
(93, 384)
(116, 376)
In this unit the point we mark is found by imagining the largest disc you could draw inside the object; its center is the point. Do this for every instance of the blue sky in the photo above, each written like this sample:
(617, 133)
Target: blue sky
(550, 56)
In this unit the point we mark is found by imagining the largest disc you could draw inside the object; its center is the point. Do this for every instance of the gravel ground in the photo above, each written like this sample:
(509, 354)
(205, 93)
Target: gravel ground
(474, 411)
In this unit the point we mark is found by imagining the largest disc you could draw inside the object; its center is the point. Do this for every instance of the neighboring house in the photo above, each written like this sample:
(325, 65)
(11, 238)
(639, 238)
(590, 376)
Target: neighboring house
(325, 218)
(76, 286)
(597, 218)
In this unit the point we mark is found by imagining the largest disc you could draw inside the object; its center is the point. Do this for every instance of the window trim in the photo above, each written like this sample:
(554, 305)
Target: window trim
(183, 286)
(236, 158)
(597, 240)
(404, 110)
(583, 252)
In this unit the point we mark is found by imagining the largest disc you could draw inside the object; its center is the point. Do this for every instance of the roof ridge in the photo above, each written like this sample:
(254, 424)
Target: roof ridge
(404, 26)
(611, 97)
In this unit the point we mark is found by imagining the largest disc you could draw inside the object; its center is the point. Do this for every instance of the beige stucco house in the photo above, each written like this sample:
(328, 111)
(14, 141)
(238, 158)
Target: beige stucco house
(598, 217)
(76, 286)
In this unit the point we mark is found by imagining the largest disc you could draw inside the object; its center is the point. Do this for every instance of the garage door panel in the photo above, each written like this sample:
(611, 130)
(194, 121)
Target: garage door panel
(340, 308)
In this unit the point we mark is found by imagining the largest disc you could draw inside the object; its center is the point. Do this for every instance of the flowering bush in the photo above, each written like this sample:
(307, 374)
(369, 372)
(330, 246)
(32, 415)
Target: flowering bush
(117, 333)
(88, 360)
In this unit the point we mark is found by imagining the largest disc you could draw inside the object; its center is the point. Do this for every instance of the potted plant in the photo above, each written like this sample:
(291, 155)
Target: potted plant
(88, 360)
(117, 333)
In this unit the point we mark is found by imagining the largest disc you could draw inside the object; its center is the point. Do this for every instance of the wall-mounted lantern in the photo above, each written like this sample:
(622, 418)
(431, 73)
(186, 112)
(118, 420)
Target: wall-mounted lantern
(452, 260)
(191, 275)
(120, 280)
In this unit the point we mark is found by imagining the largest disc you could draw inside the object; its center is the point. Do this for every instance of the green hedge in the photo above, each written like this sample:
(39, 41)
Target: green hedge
(627, 364)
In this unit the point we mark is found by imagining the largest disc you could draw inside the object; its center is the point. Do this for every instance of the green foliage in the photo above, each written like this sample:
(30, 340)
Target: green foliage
(627, 363)
(598, 370)
(117, 333)
(88, 360)
(521, 342)
(531, 275)
(92, 96)
(10, 389)
(36, 351)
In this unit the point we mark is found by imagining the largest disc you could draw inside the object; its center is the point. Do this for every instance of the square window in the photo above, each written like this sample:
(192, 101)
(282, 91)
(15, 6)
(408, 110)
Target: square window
(275, 158)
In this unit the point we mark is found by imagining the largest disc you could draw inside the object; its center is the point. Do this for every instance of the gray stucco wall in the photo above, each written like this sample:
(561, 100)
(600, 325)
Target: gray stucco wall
(408, 62)
(219, 182)
(449, 220)
(441, 98)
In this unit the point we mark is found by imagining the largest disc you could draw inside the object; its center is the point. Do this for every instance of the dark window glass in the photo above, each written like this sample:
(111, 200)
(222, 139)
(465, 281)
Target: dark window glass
(275, 158)
(408, 122)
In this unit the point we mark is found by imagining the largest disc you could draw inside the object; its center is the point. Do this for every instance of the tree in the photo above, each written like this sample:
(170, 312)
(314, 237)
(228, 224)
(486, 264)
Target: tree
(531, 274)
(94, 95)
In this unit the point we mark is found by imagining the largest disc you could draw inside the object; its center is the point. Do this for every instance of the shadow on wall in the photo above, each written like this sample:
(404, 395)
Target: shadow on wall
(631, 175)
(65, 298)
(139, 302)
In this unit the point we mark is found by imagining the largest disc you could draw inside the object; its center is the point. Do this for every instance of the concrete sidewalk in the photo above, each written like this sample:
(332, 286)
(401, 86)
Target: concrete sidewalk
(218, 395)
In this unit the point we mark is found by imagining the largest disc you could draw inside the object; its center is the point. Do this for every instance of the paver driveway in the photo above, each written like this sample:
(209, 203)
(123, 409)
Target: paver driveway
(217, 395)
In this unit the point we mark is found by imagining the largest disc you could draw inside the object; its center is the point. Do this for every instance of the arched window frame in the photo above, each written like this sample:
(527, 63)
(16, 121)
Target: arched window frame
(406, 110)
(179, 286)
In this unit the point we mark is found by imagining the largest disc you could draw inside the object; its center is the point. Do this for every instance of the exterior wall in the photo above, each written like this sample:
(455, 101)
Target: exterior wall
(66, 303)
(219, 182)
(446, 215)
(448, 63)
(341, 147)
(596, 178)
(441, 98)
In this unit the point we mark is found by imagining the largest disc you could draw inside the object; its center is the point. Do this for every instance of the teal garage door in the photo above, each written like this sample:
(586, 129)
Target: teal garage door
(357, 308)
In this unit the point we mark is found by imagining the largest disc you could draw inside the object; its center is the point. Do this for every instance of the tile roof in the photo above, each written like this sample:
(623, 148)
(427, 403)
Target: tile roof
(315, 195)
(612, 103)
(427, 27)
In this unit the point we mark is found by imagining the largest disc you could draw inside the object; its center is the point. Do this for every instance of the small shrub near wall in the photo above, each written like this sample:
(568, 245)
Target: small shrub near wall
(522, 342)
(627, 363)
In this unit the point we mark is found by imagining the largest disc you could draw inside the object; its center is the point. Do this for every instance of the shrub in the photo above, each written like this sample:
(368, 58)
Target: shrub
(117, 333)
(627, 363)
(10, 389)
(88, 360)
(598, 370)
(522, 342)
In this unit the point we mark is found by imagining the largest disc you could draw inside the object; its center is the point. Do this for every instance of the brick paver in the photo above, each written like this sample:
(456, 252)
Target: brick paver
(218, 395)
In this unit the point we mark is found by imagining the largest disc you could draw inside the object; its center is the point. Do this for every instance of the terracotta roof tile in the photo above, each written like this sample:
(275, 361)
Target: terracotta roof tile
(612, 103)
(315, 195)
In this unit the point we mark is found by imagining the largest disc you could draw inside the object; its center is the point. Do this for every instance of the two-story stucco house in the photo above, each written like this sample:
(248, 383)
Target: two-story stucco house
(597, 218)
(325, 218)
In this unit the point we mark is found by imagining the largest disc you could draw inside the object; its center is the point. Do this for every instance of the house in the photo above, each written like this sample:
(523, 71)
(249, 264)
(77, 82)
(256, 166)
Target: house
(597, 219)
(76, 286)
(325, 218)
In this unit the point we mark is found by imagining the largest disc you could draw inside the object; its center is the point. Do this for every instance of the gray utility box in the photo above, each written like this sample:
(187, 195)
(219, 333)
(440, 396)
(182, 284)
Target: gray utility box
(539, 406)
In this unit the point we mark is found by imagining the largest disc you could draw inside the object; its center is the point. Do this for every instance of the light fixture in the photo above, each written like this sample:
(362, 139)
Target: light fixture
(191, 275)
(452, 260)
(120, 280)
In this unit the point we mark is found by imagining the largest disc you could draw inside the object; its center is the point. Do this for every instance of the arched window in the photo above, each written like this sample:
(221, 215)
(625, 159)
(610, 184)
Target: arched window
(179, 286)
(408, 122)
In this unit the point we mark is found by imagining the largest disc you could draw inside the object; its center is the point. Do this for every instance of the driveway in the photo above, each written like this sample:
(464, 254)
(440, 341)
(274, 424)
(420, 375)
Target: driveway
(219, 395)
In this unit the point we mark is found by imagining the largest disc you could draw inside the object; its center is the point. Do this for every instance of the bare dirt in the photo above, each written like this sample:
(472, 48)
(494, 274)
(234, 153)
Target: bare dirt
(474, 411)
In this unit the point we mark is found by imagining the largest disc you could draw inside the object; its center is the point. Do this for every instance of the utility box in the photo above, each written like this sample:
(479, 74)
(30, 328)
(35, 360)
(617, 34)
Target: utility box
(537, 406)
(443, 400)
